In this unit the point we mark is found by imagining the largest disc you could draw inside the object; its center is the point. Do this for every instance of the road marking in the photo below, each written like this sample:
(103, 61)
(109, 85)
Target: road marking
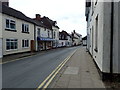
(20, 59)
(49, 79)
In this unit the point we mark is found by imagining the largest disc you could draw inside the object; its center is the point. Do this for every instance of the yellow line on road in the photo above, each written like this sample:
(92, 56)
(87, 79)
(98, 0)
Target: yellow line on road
(47, 84)
(40, 86)
(49, 79)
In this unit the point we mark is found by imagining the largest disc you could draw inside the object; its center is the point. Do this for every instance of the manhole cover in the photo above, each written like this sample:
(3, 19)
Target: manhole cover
(72, 70)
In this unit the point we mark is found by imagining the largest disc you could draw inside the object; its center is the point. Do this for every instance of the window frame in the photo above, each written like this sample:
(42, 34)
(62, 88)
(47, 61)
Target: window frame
(9, 24)
(38, 32)
(25, 43)
(48, 34)
(25, 28)
(10, 41)
(96, 33)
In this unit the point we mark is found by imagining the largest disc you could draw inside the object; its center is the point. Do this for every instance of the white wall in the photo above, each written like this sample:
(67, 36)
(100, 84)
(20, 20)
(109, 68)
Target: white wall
(62, 41)
(84, 42)
(1, 54)
(43, 33)
(69, 40)
(116, 39)
(17, 35)
(78, 41)
(102, 57)
(98, 56)
(56, 42)
(1, 25)
(1, 48)
(56, 30)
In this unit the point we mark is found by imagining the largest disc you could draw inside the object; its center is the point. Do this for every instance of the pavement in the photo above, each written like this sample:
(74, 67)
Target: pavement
(79, 72)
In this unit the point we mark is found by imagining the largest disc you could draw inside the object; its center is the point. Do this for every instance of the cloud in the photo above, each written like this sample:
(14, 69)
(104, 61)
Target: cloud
(69, 14)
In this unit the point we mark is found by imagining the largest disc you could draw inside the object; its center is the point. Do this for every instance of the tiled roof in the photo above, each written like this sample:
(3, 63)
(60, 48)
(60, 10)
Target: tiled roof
(84, 38)
(15, 13)
(64, 32)
(79, 35)
(49, 22)
(38, 23)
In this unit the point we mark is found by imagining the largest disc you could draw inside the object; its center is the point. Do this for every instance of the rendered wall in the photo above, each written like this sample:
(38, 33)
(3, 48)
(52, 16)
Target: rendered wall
(17, 35)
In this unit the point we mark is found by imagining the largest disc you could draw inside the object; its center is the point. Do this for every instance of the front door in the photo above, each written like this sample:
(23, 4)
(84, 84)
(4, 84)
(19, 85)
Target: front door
(0, 48)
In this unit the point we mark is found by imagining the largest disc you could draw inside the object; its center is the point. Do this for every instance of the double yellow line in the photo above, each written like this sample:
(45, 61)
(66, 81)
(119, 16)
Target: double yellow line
(49, 79)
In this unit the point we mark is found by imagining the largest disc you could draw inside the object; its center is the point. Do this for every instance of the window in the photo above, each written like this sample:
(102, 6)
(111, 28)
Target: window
(54, 35)
(62, 36)
(11, 44)
(44, 29)
(25, 43)
(96, 2)
(38, 32)
(92, 8)
(48, 33)
(10, 24)
(96, 35)
(25, 28)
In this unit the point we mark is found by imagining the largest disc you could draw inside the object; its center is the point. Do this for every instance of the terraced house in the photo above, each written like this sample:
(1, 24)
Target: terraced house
(52, 25)
(65, 39)
(43, 34)
(20, 33)
(17, 31)
(76, 38)
(103, 24)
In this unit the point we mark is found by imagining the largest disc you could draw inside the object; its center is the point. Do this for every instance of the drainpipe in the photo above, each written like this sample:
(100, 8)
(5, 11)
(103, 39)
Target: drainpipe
(35, 38)
(111, 38)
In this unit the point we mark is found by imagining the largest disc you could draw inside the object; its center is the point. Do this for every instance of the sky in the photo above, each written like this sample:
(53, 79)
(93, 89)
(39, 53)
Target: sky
(69, 14)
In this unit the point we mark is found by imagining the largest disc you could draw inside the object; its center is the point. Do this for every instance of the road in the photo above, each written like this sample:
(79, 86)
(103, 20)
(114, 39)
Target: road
(31, 71)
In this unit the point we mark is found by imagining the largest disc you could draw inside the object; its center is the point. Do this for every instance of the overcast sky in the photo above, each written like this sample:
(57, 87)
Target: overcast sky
(69, 14)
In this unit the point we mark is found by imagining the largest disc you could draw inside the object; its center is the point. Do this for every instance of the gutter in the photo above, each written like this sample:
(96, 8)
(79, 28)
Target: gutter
(111, 38)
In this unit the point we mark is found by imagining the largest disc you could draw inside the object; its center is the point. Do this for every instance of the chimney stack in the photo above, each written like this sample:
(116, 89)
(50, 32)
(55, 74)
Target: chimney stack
(38, 16)
(5, 2)
(74, 31)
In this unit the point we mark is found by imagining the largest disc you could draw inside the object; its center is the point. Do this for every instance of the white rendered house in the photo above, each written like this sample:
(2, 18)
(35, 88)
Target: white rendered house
(103, 24)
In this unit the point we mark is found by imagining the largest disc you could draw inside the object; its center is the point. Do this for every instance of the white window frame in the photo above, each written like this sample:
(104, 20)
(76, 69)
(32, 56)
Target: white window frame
(12, 40)
(25, 45)
(25, 28)
(9, 24)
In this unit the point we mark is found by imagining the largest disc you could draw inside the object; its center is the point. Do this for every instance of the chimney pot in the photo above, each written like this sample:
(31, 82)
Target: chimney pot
(74, 31)
(38, 16)
(5, 2)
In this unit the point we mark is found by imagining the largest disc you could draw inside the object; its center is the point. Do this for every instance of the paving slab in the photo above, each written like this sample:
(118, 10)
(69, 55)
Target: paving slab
(72, 70)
